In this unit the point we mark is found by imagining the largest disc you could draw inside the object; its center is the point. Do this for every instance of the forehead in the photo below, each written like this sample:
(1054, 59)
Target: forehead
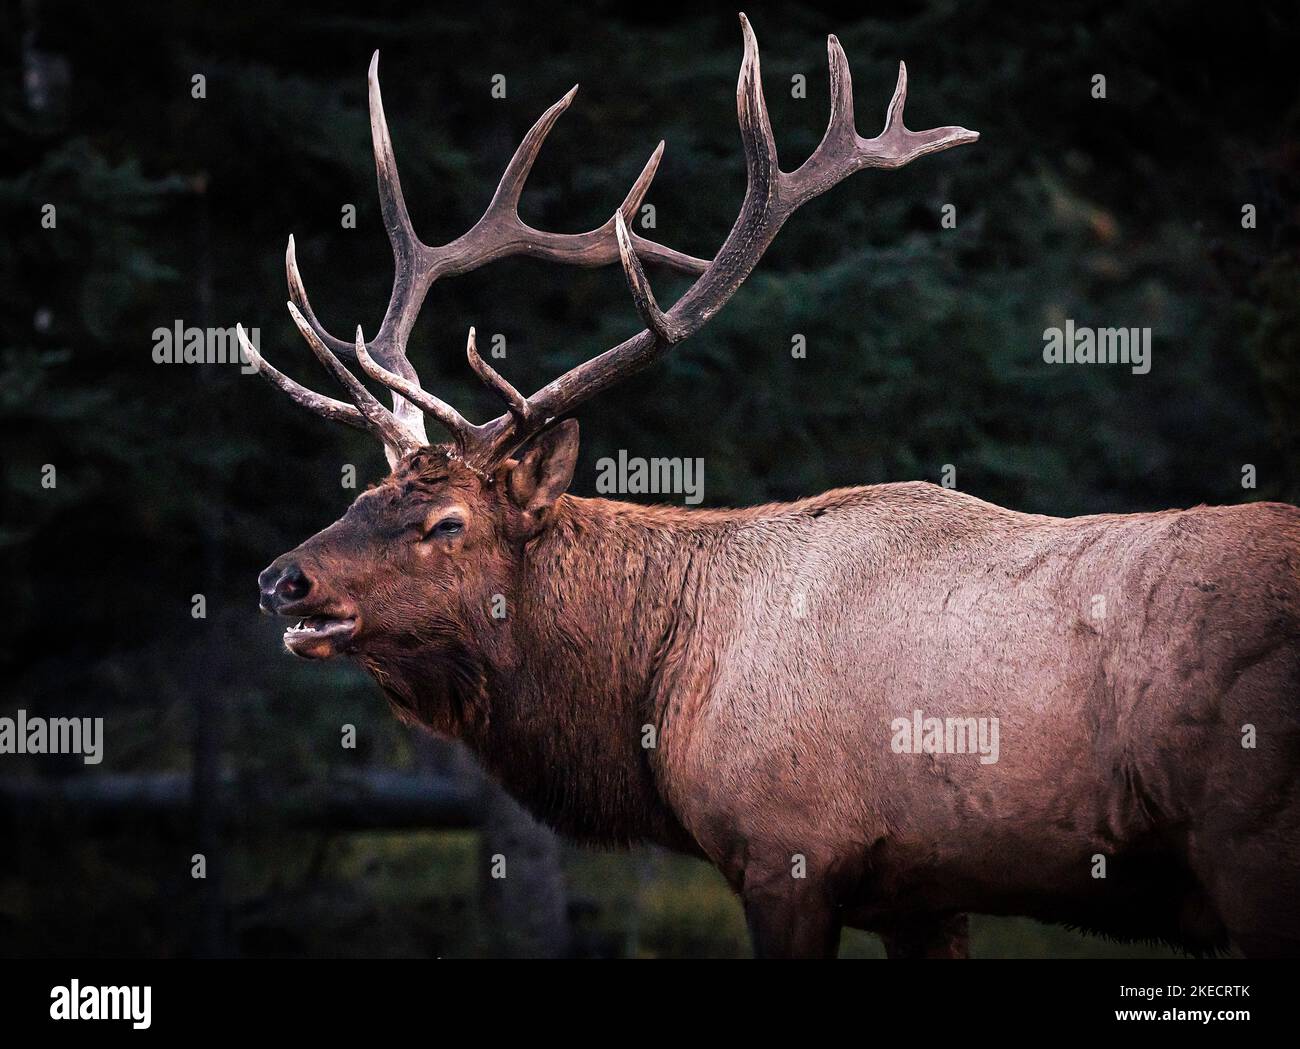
(429, 477)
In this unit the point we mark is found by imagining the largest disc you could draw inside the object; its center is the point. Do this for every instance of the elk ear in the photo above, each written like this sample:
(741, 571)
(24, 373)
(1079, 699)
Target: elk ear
(543, 473)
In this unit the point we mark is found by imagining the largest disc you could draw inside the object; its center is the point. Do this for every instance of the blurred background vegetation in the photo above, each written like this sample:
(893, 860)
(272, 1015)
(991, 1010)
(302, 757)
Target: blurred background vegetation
(924, 349)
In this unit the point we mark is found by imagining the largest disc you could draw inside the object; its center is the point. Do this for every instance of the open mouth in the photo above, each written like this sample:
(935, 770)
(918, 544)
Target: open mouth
(319, 637)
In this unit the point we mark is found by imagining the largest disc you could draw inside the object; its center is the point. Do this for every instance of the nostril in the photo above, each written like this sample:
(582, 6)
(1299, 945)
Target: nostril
(266, 579)
(293, 584)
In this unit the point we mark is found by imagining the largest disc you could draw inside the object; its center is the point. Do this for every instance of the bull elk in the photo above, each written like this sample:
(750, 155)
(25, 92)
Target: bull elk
(777, 754)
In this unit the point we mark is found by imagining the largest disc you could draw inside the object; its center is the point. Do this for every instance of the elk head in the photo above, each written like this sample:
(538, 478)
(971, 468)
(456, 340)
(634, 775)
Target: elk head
(416, 560)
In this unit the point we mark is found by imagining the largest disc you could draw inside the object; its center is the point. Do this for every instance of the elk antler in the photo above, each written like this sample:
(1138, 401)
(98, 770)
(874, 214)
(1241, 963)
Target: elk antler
(499, 233)
(771, 197)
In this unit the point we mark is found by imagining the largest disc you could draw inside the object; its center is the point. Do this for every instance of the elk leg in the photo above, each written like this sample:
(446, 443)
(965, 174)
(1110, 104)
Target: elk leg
(792, 920)
(945, 936)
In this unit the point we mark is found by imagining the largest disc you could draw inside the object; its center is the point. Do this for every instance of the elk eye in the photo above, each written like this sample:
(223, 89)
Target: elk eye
(446, 527)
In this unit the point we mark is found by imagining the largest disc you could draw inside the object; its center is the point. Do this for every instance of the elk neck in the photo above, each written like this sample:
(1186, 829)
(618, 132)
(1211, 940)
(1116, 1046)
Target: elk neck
(561, 702)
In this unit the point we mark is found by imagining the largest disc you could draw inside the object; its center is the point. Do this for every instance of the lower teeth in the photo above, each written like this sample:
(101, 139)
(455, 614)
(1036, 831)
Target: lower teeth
(311, 625)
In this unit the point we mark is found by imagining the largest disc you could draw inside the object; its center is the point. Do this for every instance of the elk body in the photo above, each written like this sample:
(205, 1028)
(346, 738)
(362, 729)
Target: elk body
(1142, 672)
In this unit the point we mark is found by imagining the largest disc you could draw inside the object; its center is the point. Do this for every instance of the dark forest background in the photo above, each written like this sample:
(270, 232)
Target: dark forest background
(924, 349)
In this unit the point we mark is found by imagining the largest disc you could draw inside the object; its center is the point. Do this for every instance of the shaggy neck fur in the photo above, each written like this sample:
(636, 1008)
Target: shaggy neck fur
(556, 699)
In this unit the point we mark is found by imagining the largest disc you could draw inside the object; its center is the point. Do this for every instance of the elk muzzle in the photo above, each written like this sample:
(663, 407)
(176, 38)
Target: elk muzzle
(325, 626)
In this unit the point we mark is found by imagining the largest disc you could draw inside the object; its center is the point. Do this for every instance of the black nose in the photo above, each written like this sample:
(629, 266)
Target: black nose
(281, 586)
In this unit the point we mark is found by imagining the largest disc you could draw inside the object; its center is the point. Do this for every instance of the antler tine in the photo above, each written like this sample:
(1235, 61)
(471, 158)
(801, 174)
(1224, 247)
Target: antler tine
(298, 293)
(637, 193)
(314, 402)
(628, 209)
(755, 126)
(501, 232)
(411, 279)
(643, 296)
(771, 196)
(896, 146)
(396, 438)
(460, 428)
(397, 220)
(515, 402)
(840, 129)
(505, 201)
